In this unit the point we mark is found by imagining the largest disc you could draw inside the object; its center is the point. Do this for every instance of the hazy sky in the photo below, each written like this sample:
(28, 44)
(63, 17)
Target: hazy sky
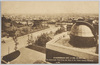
(49, 7)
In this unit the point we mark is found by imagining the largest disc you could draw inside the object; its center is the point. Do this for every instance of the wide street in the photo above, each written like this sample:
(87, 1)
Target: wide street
(9, 44)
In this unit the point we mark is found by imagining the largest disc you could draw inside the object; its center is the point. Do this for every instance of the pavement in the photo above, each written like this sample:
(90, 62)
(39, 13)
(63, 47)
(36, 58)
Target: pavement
(9, 44)
(28, 56)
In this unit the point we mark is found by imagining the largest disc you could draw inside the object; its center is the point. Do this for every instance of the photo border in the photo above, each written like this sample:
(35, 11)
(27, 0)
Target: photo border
(51, 0)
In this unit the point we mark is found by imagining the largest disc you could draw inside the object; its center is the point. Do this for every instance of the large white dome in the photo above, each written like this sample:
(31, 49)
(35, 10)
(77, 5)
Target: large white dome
(81, 30)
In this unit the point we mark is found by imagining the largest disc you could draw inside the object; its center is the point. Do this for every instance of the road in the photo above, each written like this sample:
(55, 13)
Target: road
(9, 46)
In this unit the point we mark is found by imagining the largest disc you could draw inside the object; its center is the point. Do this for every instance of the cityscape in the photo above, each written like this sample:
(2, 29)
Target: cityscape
(49, 38)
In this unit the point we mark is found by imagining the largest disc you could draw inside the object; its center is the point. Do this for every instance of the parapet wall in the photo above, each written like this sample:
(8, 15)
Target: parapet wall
(56, 50)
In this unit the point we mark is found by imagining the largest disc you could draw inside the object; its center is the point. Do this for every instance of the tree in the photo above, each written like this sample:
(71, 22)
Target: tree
(3, 20)
(62, 29)
(37, 23)
(42, 40)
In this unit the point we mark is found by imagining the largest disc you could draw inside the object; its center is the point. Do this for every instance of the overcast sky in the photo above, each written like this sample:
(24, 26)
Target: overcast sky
(49, 7)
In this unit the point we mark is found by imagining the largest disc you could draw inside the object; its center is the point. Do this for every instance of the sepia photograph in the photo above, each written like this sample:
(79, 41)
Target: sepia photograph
(49, 32)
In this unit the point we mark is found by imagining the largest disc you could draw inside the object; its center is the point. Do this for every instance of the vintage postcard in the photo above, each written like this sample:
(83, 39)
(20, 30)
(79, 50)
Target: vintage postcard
(49, 32)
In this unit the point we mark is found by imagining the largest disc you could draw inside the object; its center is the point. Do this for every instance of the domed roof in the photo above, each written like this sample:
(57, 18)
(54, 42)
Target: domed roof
(81, 30)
